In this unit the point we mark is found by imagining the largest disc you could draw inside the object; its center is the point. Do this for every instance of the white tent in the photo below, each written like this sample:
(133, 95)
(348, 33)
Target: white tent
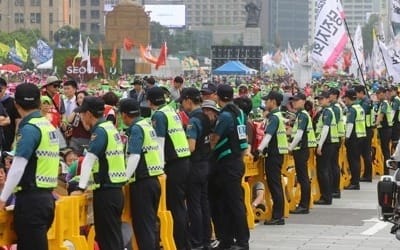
(46, 65)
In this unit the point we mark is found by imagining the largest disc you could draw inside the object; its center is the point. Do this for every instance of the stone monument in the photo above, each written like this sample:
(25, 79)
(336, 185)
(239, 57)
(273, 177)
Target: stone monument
(252, 32)
(129, 20)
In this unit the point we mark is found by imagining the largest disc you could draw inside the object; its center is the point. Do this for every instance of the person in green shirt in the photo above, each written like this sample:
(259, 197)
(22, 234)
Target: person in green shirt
(395, 103)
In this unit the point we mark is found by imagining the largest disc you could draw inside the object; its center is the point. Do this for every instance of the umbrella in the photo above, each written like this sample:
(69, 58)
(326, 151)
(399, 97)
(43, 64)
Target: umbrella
(10, 67)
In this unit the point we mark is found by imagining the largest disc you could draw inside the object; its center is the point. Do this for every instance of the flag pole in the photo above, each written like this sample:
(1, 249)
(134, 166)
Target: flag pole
(355, 54)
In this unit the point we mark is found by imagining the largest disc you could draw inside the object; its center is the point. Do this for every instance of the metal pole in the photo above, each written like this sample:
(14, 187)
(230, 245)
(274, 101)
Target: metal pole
(355, 54)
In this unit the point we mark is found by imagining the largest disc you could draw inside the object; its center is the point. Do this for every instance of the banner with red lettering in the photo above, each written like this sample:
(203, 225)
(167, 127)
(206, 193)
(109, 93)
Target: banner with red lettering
(330, 33)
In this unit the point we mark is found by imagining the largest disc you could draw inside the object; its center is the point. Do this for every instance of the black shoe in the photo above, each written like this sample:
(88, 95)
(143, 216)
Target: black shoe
(353, 187)
(300, 210)
(336, 195)
(322, 202)
(275, 222)
(236, 247)
(365, 179)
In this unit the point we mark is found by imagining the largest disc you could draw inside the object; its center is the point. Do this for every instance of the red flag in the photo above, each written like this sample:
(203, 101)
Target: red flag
(114, 56)
(346, 60)
(162, 58)
(128, 44)
(146, 55)
(101, 60)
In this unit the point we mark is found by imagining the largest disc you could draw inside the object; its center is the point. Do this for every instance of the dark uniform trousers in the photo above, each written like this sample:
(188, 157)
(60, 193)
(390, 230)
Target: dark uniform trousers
(336, 167)
(273, 168)
(353, 149)
(385, 135)
(198, 206)
(33, 216)
(300, 163)
(215, 199)
(145, 198)
(324, 170)
(366, 153)
(107, 209)
(233, 217)
(177, 172)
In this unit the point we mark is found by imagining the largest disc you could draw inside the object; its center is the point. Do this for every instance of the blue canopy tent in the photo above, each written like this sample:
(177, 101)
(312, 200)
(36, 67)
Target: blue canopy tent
(234, 68)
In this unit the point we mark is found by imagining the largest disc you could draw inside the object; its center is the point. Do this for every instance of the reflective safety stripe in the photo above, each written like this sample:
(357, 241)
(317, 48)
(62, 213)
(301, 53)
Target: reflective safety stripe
(281, 135)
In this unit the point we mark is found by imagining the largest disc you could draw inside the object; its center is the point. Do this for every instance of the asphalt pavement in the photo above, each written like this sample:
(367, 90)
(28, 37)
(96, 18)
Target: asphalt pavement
(349, 223)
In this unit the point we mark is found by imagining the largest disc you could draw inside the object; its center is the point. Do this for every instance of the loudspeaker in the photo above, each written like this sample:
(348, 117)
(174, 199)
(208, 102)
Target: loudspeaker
(128, 66)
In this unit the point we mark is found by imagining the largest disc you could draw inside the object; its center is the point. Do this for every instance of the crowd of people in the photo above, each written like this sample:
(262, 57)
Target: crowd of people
(197, 135)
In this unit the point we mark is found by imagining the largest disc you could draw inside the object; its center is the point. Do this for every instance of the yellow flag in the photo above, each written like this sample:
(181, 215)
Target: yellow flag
(4, 49)
(21, 51)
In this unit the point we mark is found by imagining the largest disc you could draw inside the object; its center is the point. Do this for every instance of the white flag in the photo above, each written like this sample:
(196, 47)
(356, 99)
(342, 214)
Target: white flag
(378, 65)
(396, 11)
(86, 53)
(330, 33)
(392, 58)
(359, 47)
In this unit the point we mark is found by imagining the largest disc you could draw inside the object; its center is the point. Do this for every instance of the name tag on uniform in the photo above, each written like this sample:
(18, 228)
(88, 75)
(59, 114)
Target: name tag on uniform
(241, 129)
(117, 138)
(53, 137)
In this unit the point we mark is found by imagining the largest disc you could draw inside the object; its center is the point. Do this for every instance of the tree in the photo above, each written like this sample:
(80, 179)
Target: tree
(67, 36)
(367, 32)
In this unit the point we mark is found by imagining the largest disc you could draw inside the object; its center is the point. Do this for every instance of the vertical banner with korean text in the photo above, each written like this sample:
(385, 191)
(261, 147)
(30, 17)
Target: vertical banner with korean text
(330, 32)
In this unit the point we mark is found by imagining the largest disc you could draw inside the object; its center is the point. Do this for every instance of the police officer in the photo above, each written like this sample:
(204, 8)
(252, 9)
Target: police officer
(172, 139)
(143, 167)
(327, 138)
(366, 151)
(337, 110)
(33, 172)
(275, 145)
(106, 162)
(303, 138)
(198, 133)
(229, 141)
(395, 103)
(384, 123)
(355, 136)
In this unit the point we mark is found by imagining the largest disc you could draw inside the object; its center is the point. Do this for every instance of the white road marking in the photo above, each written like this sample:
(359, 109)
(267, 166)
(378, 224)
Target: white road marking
(375, 228)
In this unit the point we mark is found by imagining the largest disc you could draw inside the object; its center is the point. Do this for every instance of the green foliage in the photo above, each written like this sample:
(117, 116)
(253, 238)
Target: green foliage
(67, 36)
(367, 33)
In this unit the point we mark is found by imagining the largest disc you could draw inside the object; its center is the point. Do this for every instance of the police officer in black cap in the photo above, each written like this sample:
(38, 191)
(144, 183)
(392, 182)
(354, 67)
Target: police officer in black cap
(172, 139)
(229, 141)
(143, 168)
(198, 133)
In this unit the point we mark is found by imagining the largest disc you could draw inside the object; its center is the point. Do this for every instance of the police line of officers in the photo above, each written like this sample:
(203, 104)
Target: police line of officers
(203, 164)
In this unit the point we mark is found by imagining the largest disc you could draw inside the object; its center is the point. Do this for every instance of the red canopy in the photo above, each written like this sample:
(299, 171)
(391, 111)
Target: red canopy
(10, 67)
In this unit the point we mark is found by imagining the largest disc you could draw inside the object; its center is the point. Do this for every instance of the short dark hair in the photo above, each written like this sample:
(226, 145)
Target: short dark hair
(178, 79)
(71, 83)
(84, 92)
(244, 103)
(110, 98)
(360, 88)
(3, 82)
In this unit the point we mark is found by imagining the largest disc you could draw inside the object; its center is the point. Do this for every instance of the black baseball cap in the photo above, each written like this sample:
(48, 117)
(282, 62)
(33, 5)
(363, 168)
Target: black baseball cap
(225, 92)
(190, 93)
(3, 82)
(156, 95)
(273, 95)
(129, 106)
(208, 88)
(380, 90)
(93, 104)
(27, 95)
(298, 96)
(350, 93)
(323, 94)
(334, 91)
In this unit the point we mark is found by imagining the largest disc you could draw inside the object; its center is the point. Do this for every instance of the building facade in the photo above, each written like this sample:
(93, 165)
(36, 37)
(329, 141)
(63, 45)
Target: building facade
(92, 17)
(46, 15)
(288, 21)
